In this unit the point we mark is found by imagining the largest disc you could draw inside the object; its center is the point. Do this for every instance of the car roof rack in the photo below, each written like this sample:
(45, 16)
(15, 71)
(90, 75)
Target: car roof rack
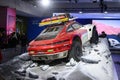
(56, 20)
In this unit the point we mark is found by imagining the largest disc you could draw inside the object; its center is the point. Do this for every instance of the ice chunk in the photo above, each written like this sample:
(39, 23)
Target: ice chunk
(21, 70)
(44, 67)
(33, 65)
(24, 56)
(71, 63)
(68, 64)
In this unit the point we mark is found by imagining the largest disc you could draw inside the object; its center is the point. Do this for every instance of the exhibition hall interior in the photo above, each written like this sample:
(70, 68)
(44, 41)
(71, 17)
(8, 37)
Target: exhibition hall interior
(59, 39)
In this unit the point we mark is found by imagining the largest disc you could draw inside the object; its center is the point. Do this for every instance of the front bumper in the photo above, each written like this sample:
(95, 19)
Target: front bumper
(54, 56)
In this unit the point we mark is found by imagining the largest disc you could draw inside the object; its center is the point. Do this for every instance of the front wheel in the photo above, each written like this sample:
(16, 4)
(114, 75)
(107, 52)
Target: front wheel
(76, 51)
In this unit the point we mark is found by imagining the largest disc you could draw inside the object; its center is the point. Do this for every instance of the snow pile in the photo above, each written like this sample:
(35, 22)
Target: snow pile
(95, 64)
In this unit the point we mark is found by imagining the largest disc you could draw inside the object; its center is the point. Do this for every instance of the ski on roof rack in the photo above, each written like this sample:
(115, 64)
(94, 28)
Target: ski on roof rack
(55, 20)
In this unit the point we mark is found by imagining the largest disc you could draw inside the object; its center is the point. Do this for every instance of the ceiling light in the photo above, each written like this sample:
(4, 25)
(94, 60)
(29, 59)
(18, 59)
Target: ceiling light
(105, 12)
(80, 12)
(45, 2)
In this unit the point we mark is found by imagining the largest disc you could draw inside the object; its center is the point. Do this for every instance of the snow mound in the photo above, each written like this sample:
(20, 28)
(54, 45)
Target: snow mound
(94, 71)
(76, 74)
(92, 58)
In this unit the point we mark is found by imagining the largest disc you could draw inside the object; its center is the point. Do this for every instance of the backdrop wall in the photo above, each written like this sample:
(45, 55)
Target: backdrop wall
(33, 28)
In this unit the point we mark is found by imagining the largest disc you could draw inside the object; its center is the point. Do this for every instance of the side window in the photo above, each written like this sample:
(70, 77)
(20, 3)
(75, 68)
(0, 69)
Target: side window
(70, 28)
(76, 26)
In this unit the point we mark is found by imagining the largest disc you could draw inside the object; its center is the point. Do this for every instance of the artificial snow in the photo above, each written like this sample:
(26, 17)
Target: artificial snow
(96, 64)
(72, 62)
(44, 67)
(91, 58)
(33, 65)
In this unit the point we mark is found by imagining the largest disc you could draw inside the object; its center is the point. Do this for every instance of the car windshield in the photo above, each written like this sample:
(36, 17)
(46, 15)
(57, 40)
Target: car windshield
(49, 33)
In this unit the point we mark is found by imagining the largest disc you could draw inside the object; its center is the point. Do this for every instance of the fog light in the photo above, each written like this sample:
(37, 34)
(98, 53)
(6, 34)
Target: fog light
(31, 52)
(50, 50)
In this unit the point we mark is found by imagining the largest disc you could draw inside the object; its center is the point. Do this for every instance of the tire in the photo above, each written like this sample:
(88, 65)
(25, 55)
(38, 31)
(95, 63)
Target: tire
(95, 37)
(76, 51)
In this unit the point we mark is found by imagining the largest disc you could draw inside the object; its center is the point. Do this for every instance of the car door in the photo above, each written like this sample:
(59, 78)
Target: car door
(82, 32)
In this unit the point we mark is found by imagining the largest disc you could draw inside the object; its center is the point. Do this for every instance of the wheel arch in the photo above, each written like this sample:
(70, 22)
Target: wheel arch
(76, 38)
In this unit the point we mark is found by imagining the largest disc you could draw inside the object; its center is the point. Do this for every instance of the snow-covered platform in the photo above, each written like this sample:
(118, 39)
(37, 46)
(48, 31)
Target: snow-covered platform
(95, 64)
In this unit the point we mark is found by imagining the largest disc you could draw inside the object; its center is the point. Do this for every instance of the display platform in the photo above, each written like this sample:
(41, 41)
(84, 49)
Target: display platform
(95, 64)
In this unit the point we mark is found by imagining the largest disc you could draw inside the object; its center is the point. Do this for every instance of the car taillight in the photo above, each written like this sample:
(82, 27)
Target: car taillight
(59, 42)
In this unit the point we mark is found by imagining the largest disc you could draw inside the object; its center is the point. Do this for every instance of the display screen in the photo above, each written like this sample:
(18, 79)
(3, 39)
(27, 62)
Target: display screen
(108, 26)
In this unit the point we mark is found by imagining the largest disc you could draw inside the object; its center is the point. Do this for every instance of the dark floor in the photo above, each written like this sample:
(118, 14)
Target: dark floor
(116, 60)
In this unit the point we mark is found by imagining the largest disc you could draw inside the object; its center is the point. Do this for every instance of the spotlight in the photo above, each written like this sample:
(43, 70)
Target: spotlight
(105, 12)
(45, 2)
(80, 12)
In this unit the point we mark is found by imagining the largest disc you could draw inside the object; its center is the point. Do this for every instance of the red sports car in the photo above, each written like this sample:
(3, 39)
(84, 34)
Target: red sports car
(63, 38)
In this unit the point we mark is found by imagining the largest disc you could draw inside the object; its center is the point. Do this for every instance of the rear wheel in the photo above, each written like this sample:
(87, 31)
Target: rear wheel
(95, 37)
(76, 51)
